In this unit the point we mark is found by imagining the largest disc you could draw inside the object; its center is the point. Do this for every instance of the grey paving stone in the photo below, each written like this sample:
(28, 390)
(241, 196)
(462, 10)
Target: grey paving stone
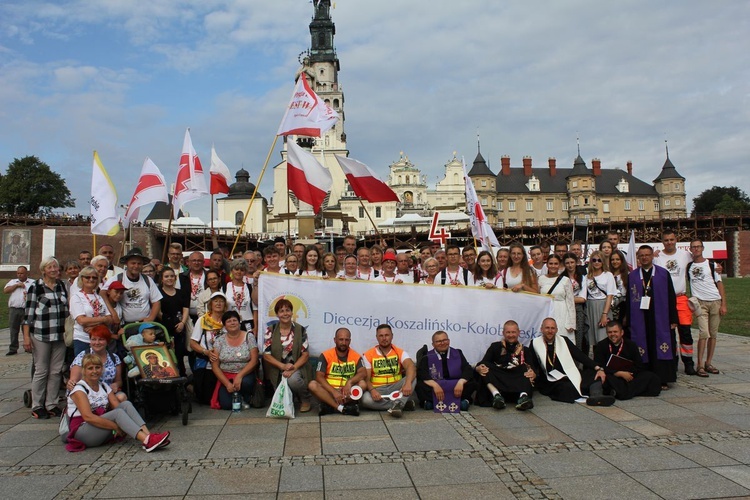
(298, 479)
(365, 477)
(127, 484)
(610, 486)
(511, 419)
(244, 496)
(13, 437)
(301, 495)
(187, 442)
(564, 413)
(364, 444)
(740, 474)
(236, 481)
(591, 432)
(11, 455)
(717, 408)
(417, 436)
(568, 464)
(492, 490)
(689, 483)
(386, 492)
(696, 424)
(531, 435)
(450, 472)
(353, 428)
(646, 459)
(255, 447)
(57, 454)
(663, 410)
(19, 487)
(703, 455)
(738, 449)
(738, 421)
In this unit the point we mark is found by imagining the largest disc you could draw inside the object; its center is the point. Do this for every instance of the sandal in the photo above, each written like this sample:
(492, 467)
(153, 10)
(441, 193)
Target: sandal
(55, 412)
(701, 372)
(664, 387)
(40, 413)
(711, 369)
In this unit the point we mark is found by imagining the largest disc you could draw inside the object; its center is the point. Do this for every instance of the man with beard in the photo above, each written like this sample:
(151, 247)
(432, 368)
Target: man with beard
(621, 360)
(339, 369)
(444, 369)
(559, 377)
(507, 371)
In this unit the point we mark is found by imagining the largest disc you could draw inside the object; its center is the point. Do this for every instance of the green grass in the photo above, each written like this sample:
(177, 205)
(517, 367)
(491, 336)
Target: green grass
(737, 321)
(3, 305)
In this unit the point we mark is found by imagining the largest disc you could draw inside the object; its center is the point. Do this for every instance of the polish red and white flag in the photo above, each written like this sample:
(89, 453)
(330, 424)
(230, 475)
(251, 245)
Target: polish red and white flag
(480, 227)
(191, 182)
(305, 177)
(151, 188)
(220, 176)
(307, 114)
(364, 182)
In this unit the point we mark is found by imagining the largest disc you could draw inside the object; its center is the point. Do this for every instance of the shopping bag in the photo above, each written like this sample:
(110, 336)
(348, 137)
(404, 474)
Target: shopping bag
(282, 403)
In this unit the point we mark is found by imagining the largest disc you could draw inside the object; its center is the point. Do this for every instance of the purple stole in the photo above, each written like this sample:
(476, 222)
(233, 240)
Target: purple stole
(450, 403)
(660, 306)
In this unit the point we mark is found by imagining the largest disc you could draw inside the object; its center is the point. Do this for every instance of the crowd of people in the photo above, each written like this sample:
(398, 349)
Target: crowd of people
(615, 333)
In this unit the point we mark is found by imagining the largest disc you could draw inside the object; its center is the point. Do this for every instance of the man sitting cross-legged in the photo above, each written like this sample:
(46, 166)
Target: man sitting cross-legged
(339, 369)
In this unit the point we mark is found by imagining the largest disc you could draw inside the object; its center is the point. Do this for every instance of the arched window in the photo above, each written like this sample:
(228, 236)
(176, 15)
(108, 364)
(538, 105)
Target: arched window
(335, 104)
(238, 216)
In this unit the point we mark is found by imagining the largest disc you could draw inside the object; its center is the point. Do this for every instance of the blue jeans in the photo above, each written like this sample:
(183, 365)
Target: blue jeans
(79, 346)
(246, 392)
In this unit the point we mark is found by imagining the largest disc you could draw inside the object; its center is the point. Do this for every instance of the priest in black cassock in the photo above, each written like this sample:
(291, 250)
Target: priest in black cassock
(626, 377)
(652, 316)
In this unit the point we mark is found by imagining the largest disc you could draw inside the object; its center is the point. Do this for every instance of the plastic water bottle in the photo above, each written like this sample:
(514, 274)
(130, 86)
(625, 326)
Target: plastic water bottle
(236, 402)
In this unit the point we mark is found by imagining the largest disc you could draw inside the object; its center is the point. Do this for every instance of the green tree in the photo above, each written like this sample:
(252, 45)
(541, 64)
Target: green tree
(30, 187)
(721, 200)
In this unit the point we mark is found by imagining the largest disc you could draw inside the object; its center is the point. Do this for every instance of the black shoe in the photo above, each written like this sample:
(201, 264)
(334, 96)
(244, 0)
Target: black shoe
(690, 368)
(428, 405)
(409, 405)
(600, 400)
(351, 409)
(524, 403)
(11, 353)
(326, 409)
(40, 413)
(498, 402)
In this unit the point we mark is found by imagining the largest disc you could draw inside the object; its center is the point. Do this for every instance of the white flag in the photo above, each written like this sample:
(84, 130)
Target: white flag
(306, 178)
(191, 183)
(104, 219)
(151, 188)
(307, 114)
(480, 228)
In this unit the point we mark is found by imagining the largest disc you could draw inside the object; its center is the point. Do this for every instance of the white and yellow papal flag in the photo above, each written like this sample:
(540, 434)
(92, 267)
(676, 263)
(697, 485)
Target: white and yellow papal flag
(104, 218)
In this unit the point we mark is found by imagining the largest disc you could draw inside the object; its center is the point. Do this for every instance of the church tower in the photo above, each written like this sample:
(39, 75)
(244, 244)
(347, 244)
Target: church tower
(321, 65)
(671, 188)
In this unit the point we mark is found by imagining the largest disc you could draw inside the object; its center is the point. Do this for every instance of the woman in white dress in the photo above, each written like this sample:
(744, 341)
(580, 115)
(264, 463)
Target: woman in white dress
(600, 289)
(561, 290)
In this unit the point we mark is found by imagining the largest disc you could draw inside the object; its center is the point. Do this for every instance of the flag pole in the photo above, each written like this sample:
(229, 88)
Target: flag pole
(169, 234)
(377, 233)
(257, 185)
(212, 213)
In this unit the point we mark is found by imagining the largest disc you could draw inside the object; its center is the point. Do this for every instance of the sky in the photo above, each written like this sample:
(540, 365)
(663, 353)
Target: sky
(424, 77)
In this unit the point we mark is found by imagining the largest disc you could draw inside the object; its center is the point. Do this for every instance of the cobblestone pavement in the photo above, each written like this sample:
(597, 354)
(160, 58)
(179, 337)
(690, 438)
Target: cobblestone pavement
(692, 442)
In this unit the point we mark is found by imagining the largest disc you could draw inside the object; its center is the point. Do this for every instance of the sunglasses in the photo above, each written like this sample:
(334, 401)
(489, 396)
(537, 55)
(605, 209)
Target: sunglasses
(597, 260)
(90, 277)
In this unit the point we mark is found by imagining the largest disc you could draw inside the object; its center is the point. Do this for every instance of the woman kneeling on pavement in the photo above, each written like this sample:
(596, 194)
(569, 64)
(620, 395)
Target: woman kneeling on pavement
(90, 422)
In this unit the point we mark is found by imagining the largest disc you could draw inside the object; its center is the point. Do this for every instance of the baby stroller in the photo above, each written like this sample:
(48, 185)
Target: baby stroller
(161, 390)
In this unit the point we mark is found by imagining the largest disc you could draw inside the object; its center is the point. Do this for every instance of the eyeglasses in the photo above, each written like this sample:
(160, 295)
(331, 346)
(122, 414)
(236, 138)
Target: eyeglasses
(596, 260)
(90, 277)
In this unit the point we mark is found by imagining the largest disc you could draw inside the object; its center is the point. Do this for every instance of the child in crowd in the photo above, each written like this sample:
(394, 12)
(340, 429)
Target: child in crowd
(146, 336)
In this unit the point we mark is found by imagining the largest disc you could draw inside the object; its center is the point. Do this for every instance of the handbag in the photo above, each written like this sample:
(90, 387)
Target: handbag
(282, 403)
(68, 333)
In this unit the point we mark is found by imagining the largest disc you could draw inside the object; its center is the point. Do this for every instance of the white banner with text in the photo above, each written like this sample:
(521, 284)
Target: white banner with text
(473, 317)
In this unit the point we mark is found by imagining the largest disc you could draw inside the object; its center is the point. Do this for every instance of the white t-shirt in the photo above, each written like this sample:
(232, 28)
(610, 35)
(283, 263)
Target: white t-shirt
(406, 278)
(676, 264)
(238, 299)
(89, 305)
(97, 399)
(206, 341)
(136, 301)
(454, 277)
(599, 287)
(702, 286)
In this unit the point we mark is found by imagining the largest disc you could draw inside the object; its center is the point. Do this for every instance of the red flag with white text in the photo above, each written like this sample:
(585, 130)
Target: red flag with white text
(151, 188)
(220, 176)
(191, 183)
(305, 177)
(307, 114)
(363, 181)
